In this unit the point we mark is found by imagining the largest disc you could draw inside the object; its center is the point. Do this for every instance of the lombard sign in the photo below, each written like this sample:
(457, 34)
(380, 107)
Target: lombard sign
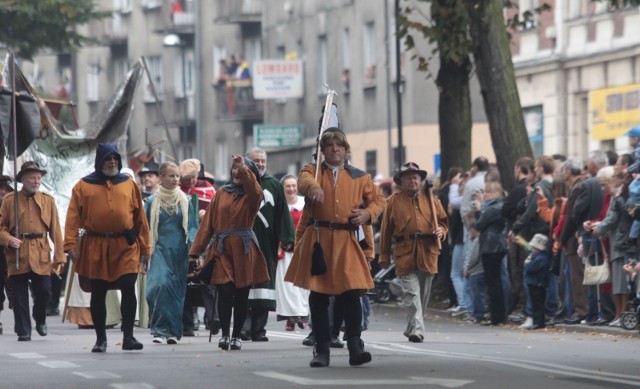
(277, 79)
(277, 135)
(614, 111)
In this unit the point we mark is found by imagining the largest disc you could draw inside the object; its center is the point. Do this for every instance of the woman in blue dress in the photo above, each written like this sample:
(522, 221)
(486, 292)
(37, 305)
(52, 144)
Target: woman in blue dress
(173, 223)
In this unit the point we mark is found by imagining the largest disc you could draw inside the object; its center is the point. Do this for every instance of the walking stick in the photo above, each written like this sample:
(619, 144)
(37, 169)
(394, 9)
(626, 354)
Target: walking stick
(67, 293)
(13, 149)
(433, 211)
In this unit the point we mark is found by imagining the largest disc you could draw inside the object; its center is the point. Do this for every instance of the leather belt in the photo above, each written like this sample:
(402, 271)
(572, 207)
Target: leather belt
(414, 236)
(105, 234)
(333, 225)
(31, 235)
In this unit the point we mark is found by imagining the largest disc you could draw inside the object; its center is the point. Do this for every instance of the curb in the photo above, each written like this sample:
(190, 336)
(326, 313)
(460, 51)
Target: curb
(394, 308)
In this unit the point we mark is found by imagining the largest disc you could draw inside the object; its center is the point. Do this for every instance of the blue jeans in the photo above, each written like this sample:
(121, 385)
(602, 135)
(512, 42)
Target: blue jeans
(477, 284)
(457, 267)
(506, 281)
(551, 304)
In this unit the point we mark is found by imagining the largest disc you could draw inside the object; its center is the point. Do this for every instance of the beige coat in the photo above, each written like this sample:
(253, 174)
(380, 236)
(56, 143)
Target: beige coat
(407, 214)
(107, 208)
(347, 267)
(38, 214)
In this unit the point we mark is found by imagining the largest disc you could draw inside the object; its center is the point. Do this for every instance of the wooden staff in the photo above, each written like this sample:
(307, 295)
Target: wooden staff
(67, 294)
(433, 212)
(13, 149)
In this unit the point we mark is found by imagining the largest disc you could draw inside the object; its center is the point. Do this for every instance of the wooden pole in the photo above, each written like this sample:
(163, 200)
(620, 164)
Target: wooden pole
(434, 214)
(14, 146)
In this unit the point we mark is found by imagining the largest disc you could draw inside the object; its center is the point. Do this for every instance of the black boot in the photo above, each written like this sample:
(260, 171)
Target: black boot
(320, 355)
(357, 355)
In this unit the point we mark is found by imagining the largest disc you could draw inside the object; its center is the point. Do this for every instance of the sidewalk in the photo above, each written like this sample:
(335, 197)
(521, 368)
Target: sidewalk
(394, 308)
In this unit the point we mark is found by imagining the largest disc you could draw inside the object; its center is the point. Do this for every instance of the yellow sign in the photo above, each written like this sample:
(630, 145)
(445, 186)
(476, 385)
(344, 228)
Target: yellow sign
(614, 111)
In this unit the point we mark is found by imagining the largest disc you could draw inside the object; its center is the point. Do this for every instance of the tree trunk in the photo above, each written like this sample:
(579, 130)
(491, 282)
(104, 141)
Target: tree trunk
(498, 86)
(454, 115)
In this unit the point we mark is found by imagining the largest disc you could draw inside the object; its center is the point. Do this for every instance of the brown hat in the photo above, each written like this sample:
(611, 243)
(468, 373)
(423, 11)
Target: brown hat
(5, 179)
(408, 168)
(29, 166)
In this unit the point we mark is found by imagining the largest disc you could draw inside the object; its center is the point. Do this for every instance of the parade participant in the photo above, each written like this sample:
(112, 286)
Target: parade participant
(409, 219)
(292, 303)
(37, 224)
(107, 205)
(173, 222)
(191, 184)
(234, 262)
(334, 217)
(5, 285)
(273, 228)
(149, 178)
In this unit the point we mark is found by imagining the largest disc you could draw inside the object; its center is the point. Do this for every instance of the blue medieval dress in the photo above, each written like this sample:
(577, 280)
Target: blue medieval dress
(167, 273)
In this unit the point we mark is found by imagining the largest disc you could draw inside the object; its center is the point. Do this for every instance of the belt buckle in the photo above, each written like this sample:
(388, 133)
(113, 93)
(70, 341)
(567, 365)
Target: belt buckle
(109, 235)
(331, 226)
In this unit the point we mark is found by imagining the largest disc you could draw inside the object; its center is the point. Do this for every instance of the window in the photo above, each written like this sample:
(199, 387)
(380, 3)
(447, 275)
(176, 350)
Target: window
(122, 6)
(93, 78)
(528, 7)
(534, 123)
(219, 71)
(371, 162)
(155, 70)
(222, 161)
(280, 52)
(346, 49)
(322, 71)
(178, 82)
(151, 4)
(120, 70)
(369, 55)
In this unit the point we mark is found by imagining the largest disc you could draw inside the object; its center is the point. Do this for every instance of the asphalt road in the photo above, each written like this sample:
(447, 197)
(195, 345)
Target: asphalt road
(454, 355)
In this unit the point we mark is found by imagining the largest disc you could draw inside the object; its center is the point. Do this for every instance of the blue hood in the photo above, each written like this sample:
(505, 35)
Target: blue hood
(103, 151)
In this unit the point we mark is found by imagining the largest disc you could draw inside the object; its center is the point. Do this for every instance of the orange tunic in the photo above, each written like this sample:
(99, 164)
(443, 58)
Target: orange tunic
(405, 215)
(230, 211)
(38, 215)
(107, 208)
(347, 266)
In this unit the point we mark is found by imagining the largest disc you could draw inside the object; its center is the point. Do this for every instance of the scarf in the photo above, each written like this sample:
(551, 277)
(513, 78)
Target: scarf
(170, 198)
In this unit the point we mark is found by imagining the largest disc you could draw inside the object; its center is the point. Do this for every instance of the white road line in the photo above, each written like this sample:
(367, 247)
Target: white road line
(58, 364)
(96, 375)
(524, 364)
(447, 383)
(132, 385)
(27, 356)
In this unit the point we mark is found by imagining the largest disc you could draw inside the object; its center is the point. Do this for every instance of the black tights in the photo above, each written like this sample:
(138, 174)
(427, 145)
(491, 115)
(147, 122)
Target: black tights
(231, 297)
(351, 310)
(99, 288)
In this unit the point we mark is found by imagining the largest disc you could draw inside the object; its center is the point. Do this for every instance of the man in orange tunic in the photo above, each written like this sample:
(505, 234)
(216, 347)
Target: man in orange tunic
(37, 221)
(410, 221)
(342, 199)
(107, 205)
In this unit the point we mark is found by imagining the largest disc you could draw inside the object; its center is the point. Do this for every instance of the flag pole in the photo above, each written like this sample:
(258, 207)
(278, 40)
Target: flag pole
(14, 147)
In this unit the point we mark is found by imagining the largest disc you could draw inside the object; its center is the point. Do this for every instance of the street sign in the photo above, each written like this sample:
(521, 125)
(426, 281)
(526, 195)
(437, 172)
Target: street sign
(277, 135)
(278, 79)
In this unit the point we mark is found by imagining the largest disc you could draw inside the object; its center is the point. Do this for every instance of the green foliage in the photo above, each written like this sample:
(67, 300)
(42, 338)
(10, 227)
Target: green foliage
(26, 26)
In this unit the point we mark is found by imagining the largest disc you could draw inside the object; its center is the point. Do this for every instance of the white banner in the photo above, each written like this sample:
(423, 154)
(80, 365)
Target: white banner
(277, 79)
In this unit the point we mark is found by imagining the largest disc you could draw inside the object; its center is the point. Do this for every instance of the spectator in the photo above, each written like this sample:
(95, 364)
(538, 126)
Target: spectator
(634, 141)
(493, 246)
(536, 273)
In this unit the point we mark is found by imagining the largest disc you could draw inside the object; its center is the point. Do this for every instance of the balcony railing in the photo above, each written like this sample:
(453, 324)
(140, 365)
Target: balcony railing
(235, 101)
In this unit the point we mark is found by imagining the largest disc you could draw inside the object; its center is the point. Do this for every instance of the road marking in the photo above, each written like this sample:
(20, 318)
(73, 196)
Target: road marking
(58, 364)
(28, 356)
(447, 383)
(551, 368)
(96, 375)
(132, 385)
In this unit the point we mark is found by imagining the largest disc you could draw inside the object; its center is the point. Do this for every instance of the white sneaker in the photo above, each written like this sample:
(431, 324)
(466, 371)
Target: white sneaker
(527, 325)
(158, 339)
(615, 323)
(172, 340)
(452, 309)
(459, 311)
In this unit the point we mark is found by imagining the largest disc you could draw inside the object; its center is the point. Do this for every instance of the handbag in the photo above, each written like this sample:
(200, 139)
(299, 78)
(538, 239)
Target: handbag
(596, 274)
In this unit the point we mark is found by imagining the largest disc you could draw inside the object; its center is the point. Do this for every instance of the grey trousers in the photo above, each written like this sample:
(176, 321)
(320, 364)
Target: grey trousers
(416, 291)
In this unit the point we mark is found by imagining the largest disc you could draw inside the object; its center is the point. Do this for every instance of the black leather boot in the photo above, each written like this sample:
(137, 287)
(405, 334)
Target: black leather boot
(320, 355)
(357, 355)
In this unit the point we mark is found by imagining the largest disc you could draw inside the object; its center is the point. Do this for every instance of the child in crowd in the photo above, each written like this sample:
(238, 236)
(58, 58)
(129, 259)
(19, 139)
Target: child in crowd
(536, 276)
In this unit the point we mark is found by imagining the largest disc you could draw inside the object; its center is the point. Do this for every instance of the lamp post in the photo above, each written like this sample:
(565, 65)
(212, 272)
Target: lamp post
(173, 40)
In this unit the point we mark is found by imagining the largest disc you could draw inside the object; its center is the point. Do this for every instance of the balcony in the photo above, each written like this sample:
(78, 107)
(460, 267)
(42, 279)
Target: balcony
(235, 101)
(115, 30)
(239, 11)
